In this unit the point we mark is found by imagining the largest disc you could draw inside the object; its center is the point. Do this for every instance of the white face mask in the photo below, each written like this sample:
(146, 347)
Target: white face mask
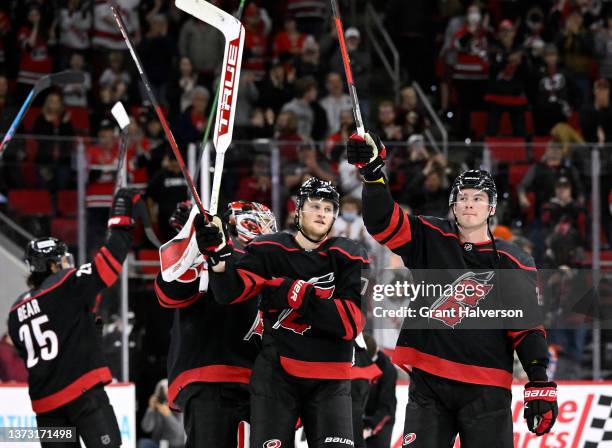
(349, 216)
(474, 18)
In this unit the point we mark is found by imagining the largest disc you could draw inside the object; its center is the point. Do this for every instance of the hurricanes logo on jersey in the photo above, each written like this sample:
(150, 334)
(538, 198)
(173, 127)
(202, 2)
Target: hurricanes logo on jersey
(464, 293)
(324, 285)
(409, 438)
(274, 443)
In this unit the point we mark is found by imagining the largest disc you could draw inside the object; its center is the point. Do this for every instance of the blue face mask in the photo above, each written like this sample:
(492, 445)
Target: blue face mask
(349, 216)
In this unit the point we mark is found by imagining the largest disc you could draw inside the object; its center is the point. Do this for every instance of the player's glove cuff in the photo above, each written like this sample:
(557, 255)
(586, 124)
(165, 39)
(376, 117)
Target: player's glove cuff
(541, 408)
(212, 239)
(283, 293)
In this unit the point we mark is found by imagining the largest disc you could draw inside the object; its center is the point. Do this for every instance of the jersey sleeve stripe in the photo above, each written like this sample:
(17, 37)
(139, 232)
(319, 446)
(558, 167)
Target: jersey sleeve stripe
(357, 316)
(349, 333)
(391, 227)
(253, 284)
(111, 259)
(168, 302)
(430, 225)
(353, 320)
(106, 273)
(518, 336)
(342, 251)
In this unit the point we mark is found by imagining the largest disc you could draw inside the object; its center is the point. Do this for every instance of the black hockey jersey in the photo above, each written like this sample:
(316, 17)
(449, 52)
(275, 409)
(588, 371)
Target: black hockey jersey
(469, 355)
(54, 332)
(318, 342)
(210, 342)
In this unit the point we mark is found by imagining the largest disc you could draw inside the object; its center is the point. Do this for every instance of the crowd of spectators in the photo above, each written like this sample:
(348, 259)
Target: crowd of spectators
(545, 64)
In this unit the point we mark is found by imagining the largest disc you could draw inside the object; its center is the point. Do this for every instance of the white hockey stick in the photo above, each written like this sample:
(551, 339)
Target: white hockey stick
(233, 31)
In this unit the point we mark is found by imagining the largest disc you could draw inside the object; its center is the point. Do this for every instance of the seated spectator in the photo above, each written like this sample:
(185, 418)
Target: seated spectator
(308, 64)
(74, 24)
(156, 138)
(349, 223)
(305, 95)
(248, 94)
(12, 153)
(12, 367)
(598, 114)
(288, 42)
(286, 134)
(166, 189)
(258, 186)
(603, 48)
(157, 50)
(77, 95)
(161, 422)
(255, 55)
(470, 69)
(575, 44)
(102, 165)
(563, 209)
(192, 122)
(180, 88)
(361, 66)
(542, 177)
(310, 16)
(427, 192)
(410, 113)
(35, 59)
(116, 77)
(53, 156)
(276, 89)
(310, 163)
(556, 95)
(335, 101)
(507, 78)
(387, 127)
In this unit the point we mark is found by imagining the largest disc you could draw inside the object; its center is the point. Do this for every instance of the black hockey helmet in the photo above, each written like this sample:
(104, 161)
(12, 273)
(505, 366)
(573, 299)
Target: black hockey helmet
(317, 188)
(40, 252)
(476, 179)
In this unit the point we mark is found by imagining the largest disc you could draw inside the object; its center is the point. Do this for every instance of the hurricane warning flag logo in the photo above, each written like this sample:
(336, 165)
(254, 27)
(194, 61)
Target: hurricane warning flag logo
(324, 285)
(464, 293)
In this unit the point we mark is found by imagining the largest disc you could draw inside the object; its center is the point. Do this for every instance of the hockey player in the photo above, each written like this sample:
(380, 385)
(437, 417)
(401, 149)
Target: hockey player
(460, 379)
(53, 329)
(212, 349)
(311, 297)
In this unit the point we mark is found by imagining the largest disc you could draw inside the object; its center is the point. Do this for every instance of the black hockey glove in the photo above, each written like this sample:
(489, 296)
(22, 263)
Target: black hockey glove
(180, 215)
(284, 293)
(212, 239)
(121, 214)
(540, 406)
(368, 154)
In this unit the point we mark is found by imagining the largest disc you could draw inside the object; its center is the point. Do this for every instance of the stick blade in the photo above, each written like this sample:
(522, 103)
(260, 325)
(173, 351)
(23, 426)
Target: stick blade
(59, 79)
(209, 13)
(121, 115)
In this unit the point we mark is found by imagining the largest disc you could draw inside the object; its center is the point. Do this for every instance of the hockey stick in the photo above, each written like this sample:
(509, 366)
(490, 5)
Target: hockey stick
(141, 211)
(213, 108)
(156, 106)
(54, 79)
(233, 31)
(347, 69)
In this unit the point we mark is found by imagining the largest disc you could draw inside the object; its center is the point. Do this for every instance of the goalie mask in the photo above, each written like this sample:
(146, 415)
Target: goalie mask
(247, 220)
(41, 252)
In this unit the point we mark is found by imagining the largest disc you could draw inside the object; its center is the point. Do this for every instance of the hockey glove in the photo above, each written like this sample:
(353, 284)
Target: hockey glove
(368, 154)
(121, 214)
(212, 239)
(284, 293)
(540, 406)
(180, 215)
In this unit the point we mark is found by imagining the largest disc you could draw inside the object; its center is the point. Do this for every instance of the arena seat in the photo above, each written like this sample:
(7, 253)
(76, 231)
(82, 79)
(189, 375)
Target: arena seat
(65, 229)
(30, 202)
(67, 203)
(507, 149)
(149, 255)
